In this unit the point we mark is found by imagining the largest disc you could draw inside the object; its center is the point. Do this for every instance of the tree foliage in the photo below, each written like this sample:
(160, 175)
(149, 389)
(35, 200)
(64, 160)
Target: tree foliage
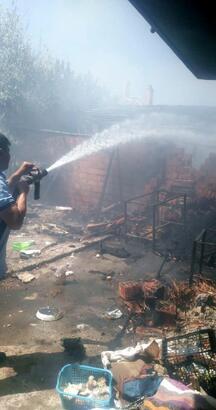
(37, 90)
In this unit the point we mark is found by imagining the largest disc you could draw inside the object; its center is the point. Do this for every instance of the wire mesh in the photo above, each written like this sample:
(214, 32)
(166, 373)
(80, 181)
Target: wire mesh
(191, 358)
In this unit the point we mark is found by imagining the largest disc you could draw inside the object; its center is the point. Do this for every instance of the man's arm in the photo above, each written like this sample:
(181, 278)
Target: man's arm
(13, 180)
(14, 215)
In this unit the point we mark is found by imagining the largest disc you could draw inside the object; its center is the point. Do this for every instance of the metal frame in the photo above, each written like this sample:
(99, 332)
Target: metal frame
(156, 218)
(154, 206)
(178, 359)
(200, 243)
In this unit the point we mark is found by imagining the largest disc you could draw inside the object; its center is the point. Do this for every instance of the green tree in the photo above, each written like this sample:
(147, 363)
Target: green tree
(37, 90)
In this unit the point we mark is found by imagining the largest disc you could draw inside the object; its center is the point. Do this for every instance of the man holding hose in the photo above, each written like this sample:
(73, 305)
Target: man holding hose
(12, 210)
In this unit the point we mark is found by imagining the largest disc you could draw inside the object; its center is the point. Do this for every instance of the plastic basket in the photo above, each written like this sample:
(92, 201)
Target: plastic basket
(75, 374)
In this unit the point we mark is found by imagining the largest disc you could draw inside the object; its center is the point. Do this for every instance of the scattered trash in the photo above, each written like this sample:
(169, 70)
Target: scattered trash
(105, 227)
(29, 253)
(96, 227)
(20, 235)
(114, 314)
(75, 228)
(60, 279)
(204, 299)
(152, 348)
(148, 331)
(160, 370)
(82, 326)
(52, 229)
(105, 275)
(33, 296)
(115, 250)
(144, 305)
(25, 277)
(129, 330)
(7, 372)
(49, 314)
(64, 208)
(69, 273)
(22, 246)
(48, 243)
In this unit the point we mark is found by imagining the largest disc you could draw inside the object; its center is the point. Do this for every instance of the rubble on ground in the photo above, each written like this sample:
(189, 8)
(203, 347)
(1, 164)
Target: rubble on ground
(145, 308)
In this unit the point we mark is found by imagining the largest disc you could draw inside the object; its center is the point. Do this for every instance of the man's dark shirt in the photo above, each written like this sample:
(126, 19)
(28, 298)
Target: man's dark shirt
(6, 200)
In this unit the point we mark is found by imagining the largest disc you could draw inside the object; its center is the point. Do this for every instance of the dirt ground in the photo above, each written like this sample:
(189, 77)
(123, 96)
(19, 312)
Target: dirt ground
(33, 347)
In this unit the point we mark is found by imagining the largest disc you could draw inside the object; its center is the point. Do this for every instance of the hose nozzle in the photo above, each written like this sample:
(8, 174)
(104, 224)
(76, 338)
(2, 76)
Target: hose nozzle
(34, 177)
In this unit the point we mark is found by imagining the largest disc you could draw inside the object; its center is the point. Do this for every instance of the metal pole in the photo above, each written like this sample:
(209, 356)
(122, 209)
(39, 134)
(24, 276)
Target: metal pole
(100, 202)
(193, 261)
(202, 251)
(119, 176)
(154, 227)
(161, 267)
(125, 218)
(185, 224)
(185, 211)
(158, 207)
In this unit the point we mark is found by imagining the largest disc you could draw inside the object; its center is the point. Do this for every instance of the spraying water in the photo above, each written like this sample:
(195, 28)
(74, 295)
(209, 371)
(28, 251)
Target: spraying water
(148, 126)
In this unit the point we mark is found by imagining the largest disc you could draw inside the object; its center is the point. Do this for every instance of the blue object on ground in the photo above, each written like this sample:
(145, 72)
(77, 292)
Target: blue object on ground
(134, 389)
(76, 374)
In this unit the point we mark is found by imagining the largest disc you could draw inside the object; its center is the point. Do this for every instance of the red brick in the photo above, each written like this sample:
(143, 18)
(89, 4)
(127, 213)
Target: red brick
(130, 290)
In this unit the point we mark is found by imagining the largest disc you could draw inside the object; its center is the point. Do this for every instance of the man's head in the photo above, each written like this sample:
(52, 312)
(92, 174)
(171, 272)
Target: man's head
(4, 152)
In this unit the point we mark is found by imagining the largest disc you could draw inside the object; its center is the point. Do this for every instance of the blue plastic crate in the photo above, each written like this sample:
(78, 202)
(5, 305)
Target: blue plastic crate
(73, 373)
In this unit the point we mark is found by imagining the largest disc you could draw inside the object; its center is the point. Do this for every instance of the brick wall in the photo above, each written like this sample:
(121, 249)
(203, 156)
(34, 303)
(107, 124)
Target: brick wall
(143, 165)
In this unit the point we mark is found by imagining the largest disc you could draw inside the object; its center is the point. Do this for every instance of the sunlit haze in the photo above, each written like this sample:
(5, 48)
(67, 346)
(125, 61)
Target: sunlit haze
(110, 39)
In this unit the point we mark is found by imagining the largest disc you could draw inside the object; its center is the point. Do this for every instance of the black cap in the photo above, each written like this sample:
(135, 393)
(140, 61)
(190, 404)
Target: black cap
(4, 142)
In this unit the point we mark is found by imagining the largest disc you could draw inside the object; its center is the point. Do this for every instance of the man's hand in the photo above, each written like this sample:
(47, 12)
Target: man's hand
(23, 187)
(14, 179)
(24, 169)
